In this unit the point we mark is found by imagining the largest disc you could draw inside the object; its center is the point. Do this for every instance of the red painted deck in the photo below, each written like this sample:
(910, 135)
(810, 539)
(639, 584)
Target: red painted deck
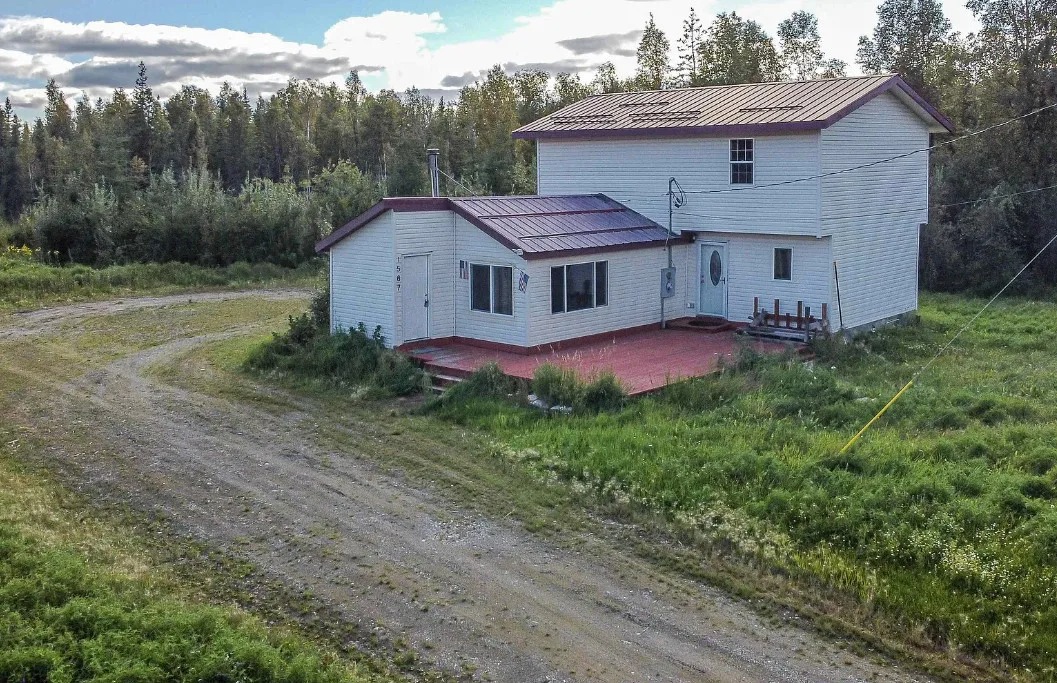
(643, 361)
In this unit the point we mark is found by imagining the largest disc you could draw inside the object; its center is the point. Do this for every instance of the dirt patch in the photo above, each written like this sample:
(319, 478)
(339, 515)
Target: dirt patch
(468, 593)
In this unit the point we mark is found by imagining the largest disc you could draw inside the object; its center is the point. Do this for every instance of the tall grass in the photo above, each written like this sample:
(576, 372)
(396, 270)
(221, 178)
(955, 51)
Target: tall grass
(26, 281)
(944, 517)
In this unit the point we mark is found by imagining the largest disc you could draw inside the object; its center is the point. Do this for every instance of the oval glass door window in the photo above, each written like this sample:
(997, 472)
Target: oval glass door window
(715, 267)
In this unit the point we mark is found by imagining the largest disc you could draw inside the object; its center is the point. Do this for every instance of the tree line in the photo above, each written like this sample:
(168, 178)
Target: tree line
(214, 178)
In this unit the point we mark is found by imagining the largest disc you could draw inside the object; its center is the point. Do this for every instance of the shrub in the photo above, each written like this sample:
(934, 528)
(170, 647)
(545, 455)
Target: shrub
(345, 358)
(604, 393)
(557, 386)
(488, 381)
(320, 308)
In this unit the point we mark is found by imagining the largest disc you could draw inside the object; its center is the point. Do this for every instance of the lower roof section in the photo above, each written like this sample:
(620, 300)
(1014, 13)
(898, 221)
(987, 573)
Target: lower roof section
(533, 226)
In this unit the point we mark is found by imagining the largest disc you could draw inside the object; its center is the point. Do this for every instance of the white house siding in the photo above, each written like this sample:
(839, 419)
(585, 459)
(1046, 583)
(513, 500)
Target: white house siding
(636, 173)
(750, 272)
(361, 279)
(634, 295)
(432, 233)
(876, 255)
(474, 246)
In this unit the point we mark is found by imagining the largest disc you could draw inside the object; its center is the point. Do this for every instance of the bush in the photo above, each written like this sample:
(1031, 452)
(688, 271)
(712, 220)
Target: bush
(488, 381)
(605, 393)
(557, 386)
(320, 308)
(345, 358)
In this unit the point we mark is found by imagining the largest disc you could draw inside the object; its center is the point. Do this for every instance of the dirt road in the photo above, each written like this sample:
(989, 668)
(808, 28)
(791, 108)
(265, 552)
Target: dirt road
(469, 593)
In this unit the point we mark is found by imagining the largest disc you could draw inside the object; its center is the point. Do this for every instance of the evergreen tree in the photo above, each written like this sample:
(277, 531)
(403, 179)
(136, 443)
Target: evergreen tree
(689, 44)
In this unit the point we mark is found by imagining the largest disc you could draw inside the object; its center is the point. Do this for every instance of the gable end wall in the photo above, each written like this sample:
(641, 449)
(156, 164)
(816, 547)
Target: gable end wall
(874, 214)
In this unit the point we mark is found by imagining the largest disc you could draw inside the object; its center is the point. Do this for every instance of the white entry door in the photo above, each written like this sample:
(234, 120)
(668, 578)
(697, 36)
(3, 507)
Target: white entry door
(712, 299)
(414, 296)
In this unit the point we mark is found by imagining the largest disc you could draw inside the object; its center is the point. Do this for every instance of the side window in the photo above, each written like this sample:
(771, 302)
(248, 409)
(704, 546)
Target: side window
(783, 264)
(492, 289)
(579, 285)
(741, 161)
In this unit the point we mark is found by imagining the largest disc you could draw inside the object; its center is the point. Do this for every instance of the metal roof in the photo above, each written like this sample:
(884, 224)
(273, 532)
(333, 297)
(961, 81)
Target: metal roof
(748, 108)
(533, 226)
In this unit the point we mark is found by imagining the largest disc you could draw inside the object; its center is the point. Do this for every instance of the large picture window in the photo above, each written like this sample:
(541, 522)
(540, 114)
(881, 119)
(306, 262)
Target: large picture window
(492, 289)
(578, 286)
(741, 162)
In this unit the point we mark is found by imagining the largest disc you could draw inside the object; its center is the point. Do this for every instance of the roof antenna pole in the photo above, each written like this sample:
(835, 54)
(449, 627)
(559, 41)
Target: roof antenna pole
(433, 156)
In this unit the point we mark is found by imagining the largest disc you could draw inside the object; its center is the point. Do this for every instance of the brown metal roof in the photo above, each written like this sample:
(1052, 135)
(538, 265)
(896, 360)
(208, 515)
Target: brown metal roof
(741, 109)
(533, 226)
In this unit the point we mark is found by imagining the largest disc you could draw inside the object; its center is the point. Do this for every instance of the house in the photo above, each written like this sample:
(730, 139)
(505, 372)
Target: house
(809, 192)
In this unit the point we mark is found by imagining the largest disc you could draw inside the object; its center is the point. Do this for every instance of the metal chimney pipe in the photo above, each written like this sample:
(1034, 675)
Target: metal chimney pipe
(433, 155)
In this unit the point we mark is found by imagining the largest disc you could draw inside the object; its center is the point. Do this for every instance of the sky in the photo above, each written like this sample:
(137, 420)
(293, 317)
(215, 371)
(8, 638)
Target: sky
(93, 46)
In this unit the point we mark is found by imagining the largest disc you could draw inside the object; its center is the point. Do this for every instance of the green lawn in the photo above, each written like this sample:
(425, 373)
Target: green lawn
(942, 520)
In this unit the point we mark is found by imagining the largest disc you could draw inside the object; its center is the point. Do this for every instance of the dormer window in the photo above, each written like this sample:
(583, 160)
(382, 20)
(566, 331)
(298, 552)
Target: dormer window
(741, 158)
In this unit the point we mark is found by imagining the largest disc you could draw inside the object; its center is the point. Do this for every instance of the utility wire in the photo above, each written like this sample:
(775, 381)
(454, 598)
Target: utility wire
(878, 162)
(893, 212)
(950, 342)
(472, 193)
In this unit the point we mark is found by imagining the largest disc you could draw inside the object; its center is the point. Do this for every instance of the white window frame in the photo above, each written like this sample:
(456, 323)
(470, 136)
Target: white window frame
(594, 286)
(731, 161)
(491, 290)
(774, 263)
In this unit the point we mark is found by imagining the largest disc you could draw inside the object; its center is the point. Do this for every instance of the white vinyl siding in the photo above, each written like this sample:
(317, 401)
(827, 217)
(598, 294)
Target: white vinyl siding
(475, 247)
(362, 288)
(876, 249)
(750, 273)
(636, 173)
(634, 295)
(428, 232)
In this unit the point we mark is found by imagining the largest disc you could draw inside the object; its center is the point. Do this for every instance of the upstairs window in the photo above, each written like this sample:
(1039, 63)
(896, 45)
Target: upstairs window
(741, 158)
(783, 264)
(579, 286)
(492, 289)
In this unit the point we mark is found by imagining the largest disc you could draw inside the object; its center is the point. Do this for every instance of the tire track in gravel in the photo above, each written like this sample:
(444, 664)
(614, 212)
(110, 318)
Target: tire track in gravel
(465, 589)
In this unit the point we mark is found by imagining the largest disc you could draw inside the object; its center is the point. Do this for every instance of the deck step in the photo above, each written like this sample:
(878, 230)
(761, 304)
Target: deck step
(442, 381)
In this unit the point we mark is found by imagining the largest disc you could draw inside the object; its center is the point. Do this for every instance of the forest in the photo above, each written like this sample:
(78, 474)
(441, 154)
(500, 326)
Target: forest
(216, 178)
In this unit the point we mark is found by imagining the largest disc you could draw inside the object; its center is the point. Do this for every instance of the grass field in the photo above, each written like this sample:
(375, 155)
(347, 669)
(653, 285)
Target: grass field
(26, 282)
(80, 600)
(943, 518)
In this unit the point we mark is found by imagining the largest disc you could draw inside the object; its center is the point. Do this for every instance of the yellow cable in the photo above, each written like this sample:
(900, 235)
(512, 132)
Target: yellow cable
(875, 418)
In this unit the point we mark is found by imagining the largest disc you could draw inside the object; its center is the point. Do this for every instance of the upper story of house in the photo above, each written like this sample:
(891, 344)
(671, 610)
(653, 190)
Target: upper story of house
(792, 158)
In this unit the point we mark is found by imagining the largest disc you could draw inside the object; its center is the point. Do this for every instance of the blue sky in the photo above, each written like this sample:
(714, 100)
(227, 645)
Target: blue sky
(91, 47)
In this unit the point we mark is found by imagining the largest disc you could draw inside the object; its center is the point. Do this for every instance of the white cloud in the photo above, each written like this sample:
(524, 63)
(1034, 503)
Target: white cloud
(391, 47)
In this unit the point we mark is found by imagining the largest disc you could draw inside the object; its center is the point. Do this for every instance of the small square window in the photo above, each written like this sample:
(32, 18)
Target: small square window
(783, 264)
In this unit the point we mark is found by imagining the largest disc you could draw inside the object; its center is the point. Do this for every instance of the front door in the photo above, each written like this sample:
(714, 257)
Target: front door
(414, 296)
(712, 298)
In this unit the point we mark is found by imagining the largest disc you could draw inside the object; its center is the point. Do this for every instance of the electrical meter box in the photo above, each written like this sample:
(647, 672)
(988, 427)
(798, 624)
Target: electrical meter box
(667, 283)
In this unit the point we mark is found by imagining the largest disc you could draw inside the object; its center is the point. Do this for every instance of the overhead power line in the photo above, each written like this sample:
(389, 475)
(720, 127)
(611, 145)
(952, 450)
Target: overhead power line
(878, 162)
(889, 213)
